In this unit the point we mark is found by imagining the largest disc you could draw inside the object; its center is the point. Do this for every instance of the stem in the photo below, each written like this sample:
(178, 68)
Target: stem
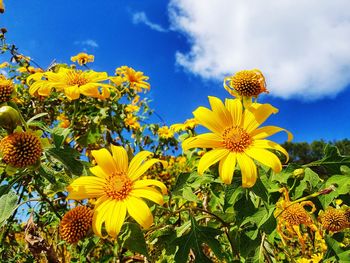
(47, 200)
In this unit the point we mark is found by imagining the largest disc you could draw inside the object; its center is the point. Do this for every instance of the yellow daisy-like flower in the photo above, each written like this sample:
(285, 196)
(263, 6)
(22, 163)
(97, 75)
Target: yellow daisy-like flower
(118, 189)
(4, 65)
(236, 139)
(130, 108)
(63, 121)
(72, 82)
(189, 124)
(246, 84)
(165, 133)
(135, 78)
(82, 58)
(131, 122)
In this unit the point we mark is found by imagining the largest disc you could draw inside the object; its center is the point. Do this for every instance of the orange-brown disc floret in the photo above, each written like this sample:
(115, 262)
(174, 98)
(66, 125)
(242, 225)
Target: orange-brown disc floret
(20, 149)
(75, 224)
(295, 214)
(6, 89)
(248, 83)
(333, 220)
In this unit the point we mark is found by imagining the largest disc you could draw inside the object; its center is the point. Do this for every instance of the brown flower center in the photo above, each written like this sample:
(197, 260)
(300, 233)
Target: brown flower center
(296, 215)
(249, 83)
(236, 139)
(334, 220)
(118, 186)
(6, 89)
(76, 78)
(76, 223)
(20, 149)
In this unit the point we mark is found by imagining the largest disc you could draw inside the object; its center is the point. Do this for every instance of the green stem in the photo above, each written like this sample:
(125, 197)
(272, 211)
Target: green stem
(47, 200)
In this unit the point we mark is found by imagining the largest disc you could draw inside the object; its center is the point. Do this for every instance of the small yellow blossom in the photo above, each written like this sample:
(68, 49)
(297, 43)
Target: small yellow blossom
(165, 133)
(135, 78)
(4, 64)
(131, 122)
(82, 58)
(189, 124)
(64, 121)
(130, 108)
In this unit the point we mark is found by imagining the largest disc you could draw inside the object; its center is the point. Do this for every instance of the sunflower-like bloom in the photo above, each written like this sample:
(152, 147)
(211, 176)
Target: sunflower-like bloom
(76, 223)
(72, 82)
(118, 189)
(246, 84)
(135, 78)
(236, 139)
(82, 58)
(132, 122)
(165, 133)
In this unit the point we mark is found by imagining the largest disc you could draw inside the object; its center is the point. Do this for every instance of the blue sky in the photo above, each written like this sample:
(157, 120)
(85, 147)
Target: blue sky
(186, 48)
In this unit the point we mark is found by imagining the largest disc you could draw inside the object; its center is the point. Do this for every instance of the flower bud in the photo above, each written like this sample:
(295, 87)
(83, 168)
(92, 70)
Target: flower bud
(9, 118)
(298, 172)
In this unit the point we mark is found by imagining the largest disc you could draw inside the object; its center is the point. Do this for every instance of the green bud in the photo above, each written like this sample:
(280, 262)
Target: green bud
(9, 118)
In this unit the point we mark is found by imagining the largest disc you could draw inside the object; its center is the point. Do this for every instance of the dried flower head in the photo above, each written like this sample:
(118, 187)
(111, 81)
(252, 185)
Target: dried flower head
(333, 220)
(76, 223)
(20, 149)
(6, 89)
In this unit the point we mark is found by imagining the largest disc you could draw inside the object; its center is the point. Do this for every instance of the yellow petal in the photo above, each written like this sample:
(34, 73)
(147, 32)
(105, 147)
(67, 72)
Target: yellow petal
(120, 157)
(86, 187)
(150, 182)
(210, 158)
(97, 170)
(72, 92)
(234, 106)
(266, 144)
(105, 160)
(139, 210)
(148, 193)
(220, 110)
(227, 167)
(142, 169)
(265, 157)
(100, 216)
(138, 160)
(248, 169)
(115, 217)
(90, 89)
(209, 120)
(256, 115)
(206, 140)
(266, 131)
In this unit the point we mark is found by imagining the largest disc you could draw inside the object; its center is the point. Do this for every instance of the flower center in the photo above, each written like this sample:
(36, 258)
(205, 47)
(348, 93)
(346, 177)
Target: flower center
(236, 139)
(249, 83)
(76, 78)
(119, 186)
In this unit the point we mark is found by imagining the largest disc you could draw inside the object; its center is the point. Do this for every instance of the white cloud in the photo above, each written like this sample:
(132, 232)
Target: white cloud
(141, 18)
(302, 47)
(88, 42)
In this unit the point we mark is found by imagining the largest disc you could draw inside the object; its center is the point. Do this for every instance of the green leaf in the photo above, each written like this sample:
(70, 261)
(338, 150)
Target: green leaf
(332, 160)
(8, 203)
(342, 255)
(36, 117)
(285, 174)
(180, 183)
(133, 238)
(342, 184)
(309, 182)
(232, 195)
(90, 137)
(59, 135)
(69, 158)
(189, 195)
(194, 239)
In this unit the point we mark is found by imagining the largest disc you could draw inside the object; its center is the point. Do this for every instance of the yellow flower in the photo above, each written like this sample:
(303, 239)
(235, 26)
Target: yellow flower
(118, 189)
(131, 122)
(75, 224)
(82, 58)
(2, 7)
(236, 138)
(135, 78)
(165, 133)
(189, 124)
(71, 82)
(130, 108)
(64, 121)
(246, 84)
(4, 64)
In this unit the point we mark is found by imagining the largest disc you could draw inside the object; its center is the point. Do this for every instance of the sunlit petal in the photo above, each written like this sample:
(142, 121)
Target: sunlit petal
(86, 187)
(211, 157)
(265, 157)
(139, 210)
(150, 182)
(248, 169)
(104, 160)
(227, 167)
(120, 157)
(206, 140)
